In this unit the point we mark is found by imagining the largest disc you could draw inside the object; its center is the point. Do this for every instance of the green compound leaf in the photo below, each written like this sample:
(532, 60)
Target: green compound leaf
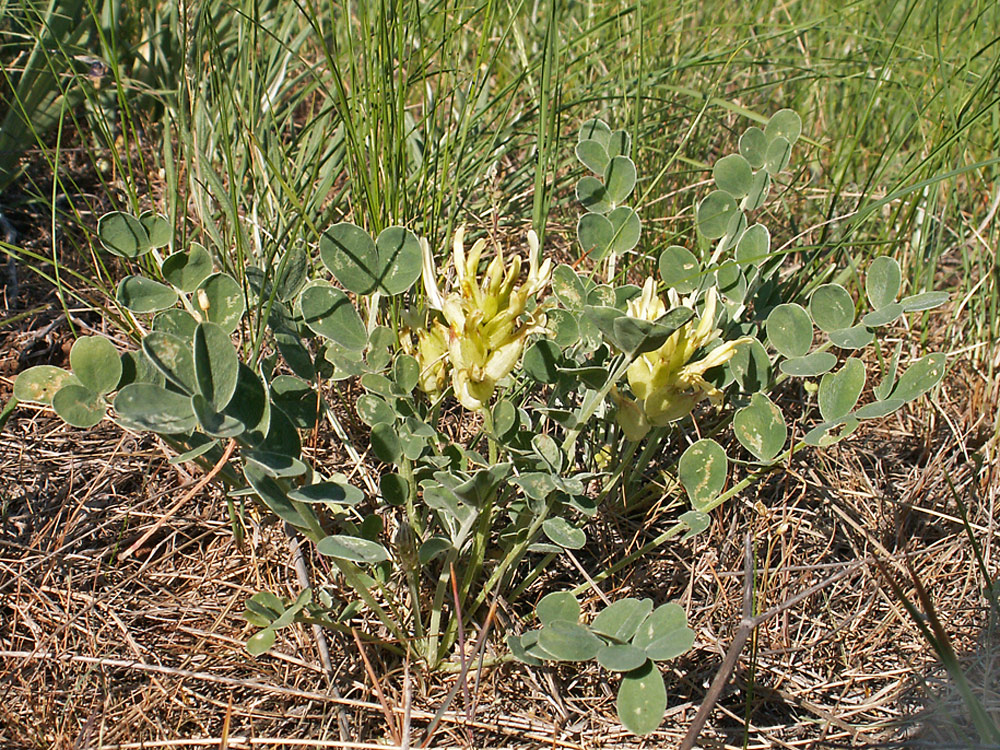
(352, 548)
(832, 308)
(593, 155)
(619, 144)
(883, 316)
(562, 532)
(680, 269)
(40, 383)
(790, 330)
(213, 422)
(329, 312)
(591, 193)
(216, 364)
(828, 433)
(751, 367)
(173, 357)
(642, 699)
(144, 406)
(839, 391)
(810, 366)
(760, 428)
(621, 619)
(714, 213)
(78, 406)
(559, 605)
(883, 281)
(620, 657)
(619, 179)
(733, 174)
(702, 470)
(158, 229)
(920, 377)
(758, 192)
(220, 298)
(925, 301)
(96, 363)
(855, 337)
(541, 361)
(569, 641)
(568, 287)
(596, 130)
(124, 235)
(664, 634)
(142, 295)
(785, 123)
(186, 269)
(753, 146)
(779, 153)
(754, 246)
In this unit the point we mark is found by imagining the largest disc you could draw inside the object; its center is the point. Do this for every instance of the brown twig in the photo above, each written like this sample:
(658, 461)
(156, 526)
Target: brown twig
(747, 626)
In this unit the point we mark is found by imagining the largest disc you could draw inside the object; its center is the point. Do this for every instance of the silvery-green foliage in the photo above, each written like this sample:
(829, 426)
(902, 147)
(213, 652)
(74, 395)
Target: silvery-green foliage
(238, 362)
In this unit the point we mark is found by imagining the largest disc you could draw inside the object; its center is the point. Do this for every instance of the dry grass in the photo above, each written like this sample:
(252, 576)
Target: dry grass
(100, 653)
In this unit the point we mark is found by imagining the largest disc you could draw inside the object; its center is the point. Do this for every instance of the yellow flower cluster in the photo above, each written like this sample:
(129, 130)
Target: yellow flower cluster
(666, 382)
(482, 334)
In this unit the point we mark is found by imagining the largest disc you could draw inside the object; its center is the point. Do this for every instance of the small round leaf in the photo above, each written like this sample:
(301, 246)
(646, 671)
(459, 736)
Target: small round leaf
(619, 179)
(753, 146)
(702, 470)
(831, 307)
(559, 605)
(760, 428)
(733, 174)
(569, 641)
(839, 391)
(142, 295)
(40, 383)
(714, 213)
(790, 330)
(883, 281)
(78, 406)
(679, 269)
(642, 699)
(96, 363)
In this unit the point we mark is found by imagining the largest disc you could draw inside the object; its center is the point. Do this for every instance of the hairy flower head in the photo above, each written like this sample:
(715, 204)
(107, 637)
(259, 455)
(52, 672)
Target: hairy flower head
(484, 320)
(668, 381)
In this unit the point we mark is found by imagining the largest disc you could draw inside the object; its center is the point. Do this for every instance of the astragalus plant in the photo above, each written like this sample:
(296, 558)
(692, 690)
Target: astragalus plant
(553, 369)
